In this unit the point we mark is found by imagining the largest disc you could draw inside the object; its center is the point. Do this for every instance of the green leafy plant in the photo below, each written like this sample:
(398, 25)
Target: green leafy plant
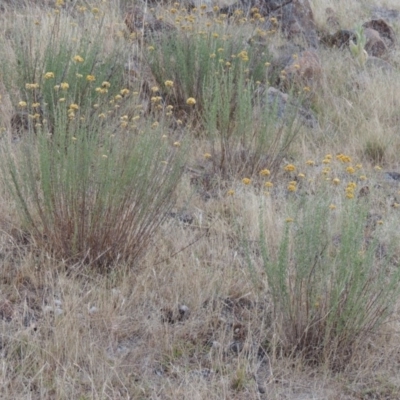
(358, 49)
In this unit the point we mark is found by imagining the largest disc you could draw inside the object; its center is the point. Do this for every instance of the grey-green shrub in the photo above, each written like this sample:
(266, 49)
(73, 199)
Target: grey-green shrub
(329, 287)
(90, 182)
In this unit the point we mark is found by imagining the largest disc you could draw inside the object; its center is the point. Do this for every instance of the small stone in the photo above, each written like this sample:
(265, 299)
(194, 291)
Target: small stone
(236, 347)
(183, 312)
(48, 309)
(261, 389)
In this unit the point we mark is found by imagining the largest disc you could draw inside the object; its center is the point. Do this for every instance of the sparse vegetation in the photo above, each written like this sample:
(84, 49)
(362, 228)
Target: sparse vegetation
(174, 226)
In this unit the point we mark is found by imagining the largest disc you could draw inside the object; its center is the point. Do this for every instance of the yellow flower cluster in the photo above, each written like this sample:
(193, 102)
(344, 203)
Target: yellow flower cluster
(78, 59)
(31, 86)
(290, 168)
(343, 158)
(265, 172)
(292, 187)
(350, 188)
(243, 56)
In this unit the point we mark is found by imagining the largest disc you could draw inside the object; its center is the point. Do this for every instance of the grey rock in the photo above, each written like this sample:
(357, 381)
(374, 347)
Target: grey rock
(184, 312)
(375, 45)
(385, 31)
(385, 13)
(297, 19)
(236, 347)
(392, 177)
(285, 108)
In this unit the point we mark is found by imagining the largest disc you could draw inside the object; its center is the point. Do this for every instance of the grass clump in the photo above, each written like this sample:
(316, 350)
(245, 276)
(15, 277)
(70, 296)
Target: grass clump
(329, 286)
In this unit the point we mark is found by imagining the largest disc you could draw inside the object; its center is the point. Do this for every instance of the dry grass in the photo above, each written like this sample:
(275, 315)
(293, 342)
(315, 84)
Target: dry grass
(192, 320)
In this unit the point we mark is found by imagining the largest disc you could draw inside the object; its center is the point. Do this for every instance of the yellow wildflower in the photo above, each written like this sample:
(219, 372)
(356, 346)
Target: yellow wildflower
(90, 78)
(73, 106)
(326, 170)
(288, 220)
(22, 104)
(207, 155)
(246, 181)
(49, 75)
(343, 158)
(124, 92)
(230, 192)
(243, 56)
(31, 86)
(169, 83)
(177, 144)
(106, 84)
(310, 163)
(268, 184)
(352, 185)
(332, 207)
(35, 105)
(64, 86)
(350, 170)
(336, 181)
(265, 172)
(191, 101)
(78, 59)
(290, 168)
(292, 188)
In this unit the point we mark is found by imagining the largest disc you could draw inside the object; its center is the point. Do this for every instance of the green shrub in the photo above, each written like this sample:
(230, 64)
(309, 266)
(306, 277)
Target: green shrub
(219, 71)
(329, 287)
(90, 183)
(57, 61)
